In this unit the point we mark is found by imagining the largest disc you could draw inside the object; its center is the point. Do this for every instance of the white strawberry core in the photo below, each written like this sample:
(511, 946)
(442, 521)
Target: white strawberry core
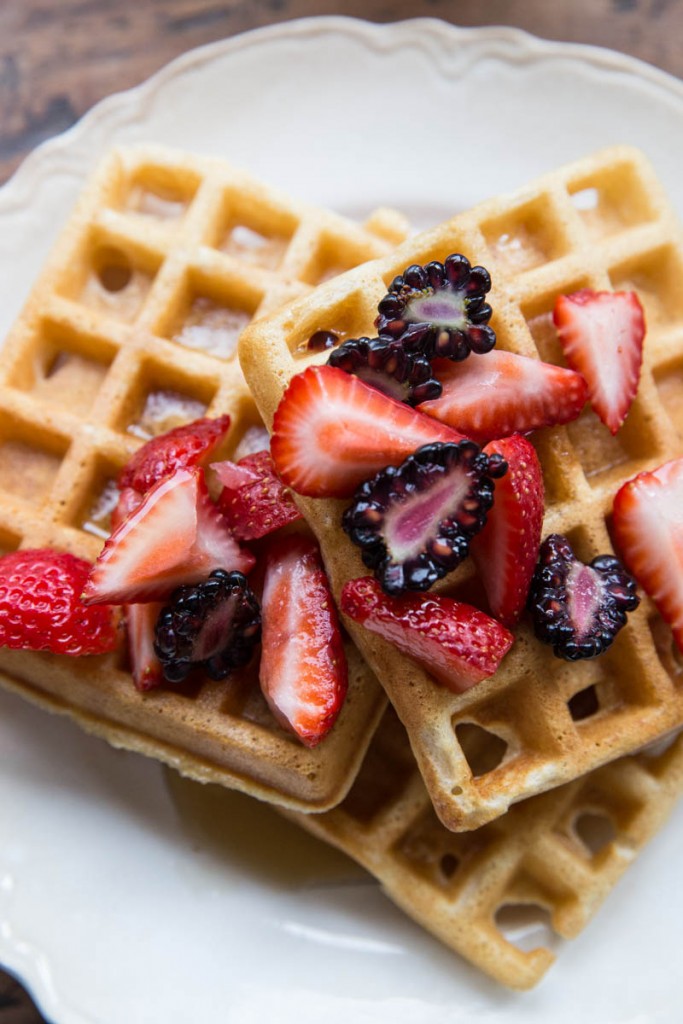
(585, 593)
(410, 524)
(216, 631)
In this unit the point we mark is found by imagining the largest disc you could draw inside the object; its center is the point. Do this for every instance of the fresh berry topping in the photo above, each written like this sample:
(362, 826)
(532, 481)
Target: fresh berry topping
(141, 620)
(176, 536)
(506, 550)
(331, 431)
(303, 665)
(578, 608)
(501, 394)
(439, 309)
(41, 608)
(129, 500)
(181, 448)
(254, 500)
(387, 365)
(648, 533)
(413, 523)
(456, 643)
(602, 334)
(320, 341)
(213, 625)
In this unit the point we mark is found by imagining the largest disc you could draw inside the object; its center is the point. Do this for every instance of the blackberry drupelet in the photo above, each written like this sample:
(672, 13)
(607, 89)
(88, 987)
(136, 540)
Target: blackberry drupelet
(214, 625)
(439, 309)
(413, 523)
(388, 366)
(578, 608)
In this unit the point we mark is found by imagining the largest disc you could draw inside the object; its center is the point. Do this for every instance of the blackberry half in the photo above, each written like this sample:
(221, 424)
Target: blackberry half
(578, 608)
(439, 309)
(214, 625)
(388, 366)
(413, 523)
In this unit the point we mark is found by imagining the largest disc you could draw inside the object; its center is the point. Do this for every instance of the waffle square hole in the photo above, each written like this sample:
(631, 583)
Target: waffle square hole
(484, 750)
(526, 237)
(254, 230)
(114, 279)
(669, 383)
(611, 201)
(437, 854)
(29, 460)
(526, 925)
(351, 317)
(95, 511)
(162, 399)
(584, 704)
(538, 315)
(656, 277)
(211, 314)
(668, 653)
(161, 193)
(604, 455)
(332, 256)
(66, 368)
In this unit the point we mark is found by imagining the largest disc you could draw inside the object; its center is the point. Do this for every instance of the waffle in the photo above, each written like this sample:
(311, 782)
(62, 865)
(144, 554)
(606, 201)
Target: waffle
(130, 330)
(552, 858)
(538, 722)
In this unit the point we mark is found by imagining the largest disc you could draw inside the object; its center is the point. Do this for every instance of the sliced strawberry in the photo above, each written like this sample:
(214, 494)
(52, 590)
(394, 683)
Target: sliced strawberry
(180, 448)
(176, 536)
(602, 334)
(303, 666)
(253, 500)
(331, 432)
(648, 531)
(455, 642)
(506, 550)
(140, 622)
(129, 500)
(497, 394)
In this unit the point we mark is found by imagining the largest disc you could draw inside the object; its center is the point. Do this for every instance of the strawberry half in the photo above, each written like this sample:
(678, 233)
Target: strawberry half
(175, 536)
(500, 393)
(331, 432)
(253, 500)
(648, 531)
(303, 670)
(41, 607)
(506, 550)
(456, 643)
(181, 448)
(602, 334)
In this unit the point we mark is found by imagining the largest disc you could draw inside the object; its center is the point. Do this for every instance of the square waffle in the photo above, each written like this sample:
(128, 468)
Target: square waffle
(539, 722)
(553, 857)
(131, 330)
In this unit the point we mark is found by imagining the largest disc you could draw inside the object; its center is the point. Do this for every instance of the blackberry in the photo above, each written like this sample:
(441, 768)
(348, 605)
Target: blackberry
(578, 608)
(439, 309)
(413, 523)
(214, 625)
(388, 366)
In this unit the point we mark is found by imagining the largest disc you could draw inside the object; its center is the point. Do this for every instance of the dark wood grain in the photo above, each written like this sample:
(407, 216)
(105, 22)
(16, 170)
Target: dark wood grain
(59, 57)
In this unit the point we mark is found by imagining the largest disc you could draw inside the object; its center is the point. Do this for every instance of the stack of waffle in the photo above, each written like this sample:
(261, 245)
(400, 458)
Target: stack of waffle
(132, 328)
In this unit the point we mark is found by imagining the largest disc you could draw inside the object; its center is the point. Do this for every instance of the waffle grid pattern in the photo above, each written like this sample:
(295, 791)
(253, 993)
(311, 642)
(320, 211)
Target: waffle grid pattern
(553, 858)
(130, 330)
(601, 223)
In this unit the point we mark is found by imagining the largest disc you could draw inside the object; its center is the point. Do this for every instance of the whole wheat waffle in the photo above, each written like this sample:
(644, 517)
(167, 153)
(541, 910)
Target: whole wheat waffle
(538, 722)
(553, 857)
(130, 330)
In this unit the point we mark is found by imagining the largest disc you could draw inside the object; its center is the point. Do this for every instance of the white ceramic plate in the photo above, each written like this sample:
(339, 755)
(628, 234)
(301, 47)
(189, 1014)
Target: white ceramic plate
(128, 895)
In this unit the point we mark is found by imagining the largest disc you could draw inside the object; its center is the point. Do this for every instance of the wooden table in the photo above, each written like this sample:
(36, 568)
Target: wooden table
(59, 57)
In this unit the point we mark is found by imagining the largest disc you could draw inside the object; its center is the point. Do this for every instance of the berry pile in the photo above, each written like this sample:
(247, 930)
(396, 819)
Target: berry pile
(395, 423)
